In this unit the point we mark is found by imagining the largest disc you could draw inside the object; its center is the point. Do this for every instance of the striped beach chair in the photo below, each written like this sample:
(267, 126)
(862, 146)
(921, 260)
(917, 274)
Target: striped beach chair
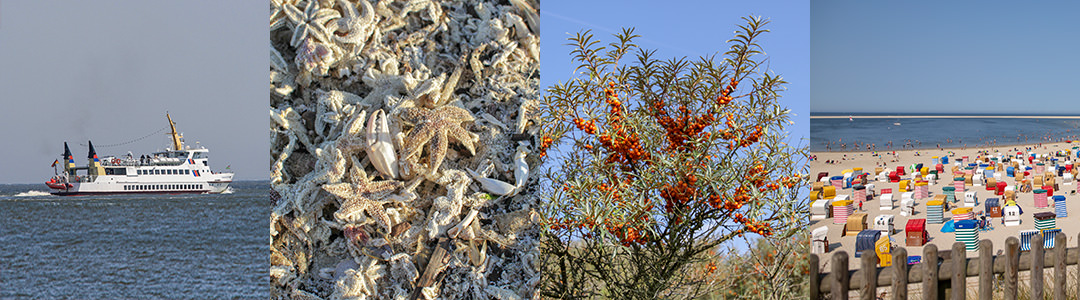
(1048, 237)
(1025, 239)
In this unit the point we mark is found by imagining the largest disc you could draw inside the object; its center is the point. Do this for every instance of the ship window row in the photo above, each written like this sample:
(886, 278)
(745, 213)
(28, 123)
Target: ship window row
(162, 187)
(165, 172)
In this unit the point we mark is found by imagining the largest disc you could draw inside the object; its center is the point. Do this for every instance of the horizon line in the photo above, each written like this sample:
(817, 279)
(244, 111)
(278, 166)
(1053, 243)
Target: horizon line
(943, 117)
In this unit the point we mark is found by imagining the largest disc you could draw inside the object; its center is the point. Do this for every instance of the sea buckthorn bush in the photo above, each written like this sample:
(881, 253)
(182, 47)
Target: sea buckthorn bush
(654, 165)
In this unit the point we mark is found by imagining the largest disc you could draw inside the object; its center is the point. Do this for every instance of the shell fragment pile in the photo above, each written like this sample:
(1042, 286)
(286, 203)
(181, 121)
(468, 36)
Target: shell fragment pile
(380, 111)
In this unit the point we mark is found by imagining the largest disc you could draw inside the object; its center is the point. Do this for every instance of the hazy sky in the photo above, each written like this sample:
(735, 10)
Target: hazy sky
(686, 28)
(108, 72)
(945, 56)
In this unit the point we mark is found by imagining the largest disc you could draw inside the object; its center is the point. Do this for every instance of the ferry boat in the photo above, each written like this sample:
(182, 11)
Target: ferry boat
(180, 170)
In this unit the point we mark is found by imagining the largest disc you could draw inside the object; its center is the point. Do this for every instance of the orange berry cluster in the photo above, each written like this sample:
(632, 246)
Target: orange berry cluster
(623, 143)
(725, 95)
(545, 143)
(682, 129)
(587, 126)
(676, 196)
(628, 235)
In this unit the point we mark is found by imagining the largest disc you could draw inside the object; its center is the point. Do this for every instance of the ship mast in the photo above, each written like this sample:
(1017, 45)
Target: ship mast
(175, 136)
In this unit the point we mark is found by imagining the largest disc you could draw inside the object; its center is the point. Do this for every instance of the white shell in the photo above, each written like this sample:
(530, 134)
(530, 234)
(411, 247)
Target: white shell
(380, 148)
(493, 186)
(521, 168)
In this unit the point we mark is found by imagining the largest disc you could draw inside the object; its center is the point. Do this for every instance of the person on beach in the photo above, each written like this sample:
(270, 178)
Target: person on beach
(860, 204)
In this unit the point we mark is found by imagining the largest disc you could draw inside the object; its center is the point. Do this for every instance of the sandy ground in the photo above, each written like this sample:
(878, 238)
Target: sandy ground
(866, 160)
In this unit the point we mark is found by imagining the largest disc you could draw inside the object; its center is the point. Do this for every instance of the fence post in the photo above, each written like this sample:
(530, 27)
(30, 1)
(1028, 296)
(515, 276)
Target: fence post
(930, 278)
(869, 268)
(900, 274)
(841, 278)
(986, 270)
(1037, 260)
(815, 278)
(1012, 266)
(1059, 266)
(959, 276)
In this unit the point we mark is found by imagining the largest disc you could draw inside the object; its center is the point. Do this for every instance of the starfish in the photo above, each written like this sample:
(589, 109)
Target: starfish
(364, 196)
(310, 22)
(433, 128)
(357, 27)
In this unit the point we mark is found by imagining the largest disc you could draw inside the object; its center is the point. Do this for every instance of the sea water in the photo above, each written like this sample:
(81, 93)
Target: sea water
(927, 133)
(134, 246)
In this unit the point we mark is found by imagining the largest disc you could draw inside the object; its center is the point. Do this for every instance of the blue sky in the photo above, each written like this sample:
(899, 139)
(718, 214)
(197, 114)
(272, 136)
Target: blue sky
(685, 28)
(945, 56)
(107, 72)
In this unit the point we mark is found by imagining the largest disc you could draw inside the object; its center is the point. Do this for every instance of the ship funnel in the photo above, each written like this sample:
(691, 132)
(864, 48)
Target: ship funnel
(67, 152)
(94, 168)
(92, 154)
(69, 160)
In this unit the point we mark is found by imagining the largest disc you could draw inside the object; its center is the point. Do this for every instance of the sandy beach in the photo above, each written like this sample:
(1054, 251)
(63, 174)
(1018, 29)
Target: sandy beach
(868, 161)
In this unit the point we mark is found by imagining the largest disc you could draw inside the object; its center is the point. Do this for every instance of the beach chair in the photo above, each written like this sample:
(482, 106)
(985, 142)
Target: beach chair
(821, 240)
(1025, 239)
(866, 240)
(1048, 237)
(1011, 215)
(915, 232)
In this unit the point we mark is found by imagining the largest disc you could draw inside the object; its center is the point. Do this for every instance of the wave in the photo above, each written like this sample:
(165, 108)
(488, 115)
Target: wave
(228, 190)
(31, 194)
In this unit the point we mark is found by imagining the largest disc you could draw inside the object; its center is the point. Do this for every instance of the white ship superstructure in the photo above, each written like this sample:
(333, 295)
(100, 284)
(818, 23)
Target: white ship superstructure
(175, 171)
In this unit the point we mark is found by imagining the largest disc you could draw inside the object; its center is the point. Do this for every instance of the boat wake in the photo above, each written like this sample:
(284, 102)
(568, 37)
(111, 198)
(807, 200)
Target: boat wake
(31, 194)
(227, 190)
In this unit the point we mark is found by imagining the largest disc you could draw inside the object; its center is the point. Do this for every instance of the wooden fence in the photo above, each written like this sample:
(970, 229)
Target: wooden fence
(948, 273)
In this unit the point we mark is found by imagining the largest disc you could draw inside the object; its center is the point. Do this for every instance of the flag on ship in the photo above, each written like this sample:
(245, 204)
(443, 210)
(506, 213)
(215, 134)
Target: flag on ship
(55, 162)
